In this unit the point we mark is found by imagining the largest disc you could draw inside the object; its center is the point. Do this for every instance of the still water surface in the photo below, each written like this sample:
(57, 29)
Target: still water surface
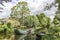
(11, 37)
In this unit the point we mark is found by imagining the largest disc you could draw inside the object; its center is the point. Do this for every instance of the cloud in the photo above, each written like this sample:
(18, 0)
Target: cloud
(35, 6)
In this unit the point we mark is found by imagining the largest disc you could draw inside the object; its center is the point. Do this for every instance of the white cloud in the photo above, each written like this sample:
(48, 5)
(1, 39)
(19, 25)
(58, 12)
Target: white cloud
(35, 6)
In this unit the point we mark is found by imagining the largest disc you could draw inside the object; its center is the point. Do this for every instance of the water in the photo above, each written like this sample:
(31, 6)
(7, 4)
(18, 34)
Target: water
(4, 36)
(14, 37)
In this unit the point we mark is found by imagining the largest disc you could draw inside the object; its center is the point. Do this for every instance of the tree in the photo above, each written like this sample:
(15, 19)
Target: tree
(31, 21)
(57, 16)
(58, 1)
(28, 21)
(20, 11)
(1, 2)
(56, 20)
(45, 26)
(49, 6)
(43, 20)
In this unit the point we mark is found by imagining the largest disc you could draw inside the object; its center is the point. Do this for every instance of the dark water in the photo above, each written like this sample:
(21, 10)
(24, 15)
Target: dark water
(11, 37)
(19, 37)
(4, 36)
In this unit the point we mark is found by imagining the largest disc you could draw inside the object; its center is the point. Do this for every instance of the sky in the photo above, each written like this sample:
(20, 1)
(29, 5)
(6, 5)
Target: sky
(35, 6)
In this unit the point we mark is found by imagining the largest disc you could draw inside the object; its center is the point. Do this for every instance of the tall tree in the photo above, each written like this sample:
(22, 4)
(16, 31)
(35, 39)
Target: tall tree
(57, 16)
(20, 11)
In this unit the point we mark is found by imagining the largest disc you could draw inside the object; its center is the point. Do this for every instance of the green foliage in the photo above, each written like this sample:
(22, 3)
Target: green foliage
(31, 21)
(28, 21)
(9, 28)
(8, 25)
(40, 23)
(1, 28)
(56, 22)
(43, 20)
(19, 11)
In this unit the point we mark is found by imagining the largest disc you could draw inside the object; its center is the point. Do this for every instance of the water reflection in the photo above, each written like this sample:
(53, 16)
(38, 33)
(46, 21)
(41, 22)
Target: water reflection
(4, 36)
(13, 36)
(19, 37)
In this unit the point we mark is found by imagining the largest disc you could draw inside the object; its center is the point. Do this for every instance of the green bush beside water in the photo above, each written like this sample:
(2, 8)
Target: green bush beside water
(44, 24)
(41, 23)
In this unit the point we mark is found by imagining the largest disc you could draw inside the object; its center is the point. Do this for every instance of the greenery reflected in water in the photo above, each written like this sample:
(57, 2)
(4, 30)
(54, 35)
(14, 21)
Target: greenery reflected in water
(4, 36)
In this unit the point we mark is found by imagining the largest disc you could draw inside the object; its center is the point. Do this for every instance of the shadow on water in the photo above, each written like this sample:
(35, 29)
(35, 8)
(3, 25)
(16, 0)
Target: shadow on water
(19, 37)
(4, 36)
(14, 36)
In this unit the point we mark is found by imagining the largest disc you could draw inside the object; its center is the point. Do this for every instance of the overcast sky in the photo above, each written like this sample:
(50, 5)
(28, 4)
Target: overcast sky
(35, 6)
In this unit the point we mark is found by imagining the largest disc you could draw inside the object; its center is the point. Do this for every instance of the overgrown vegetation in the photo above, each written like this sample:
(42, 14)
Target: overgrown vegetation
(21, 18)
